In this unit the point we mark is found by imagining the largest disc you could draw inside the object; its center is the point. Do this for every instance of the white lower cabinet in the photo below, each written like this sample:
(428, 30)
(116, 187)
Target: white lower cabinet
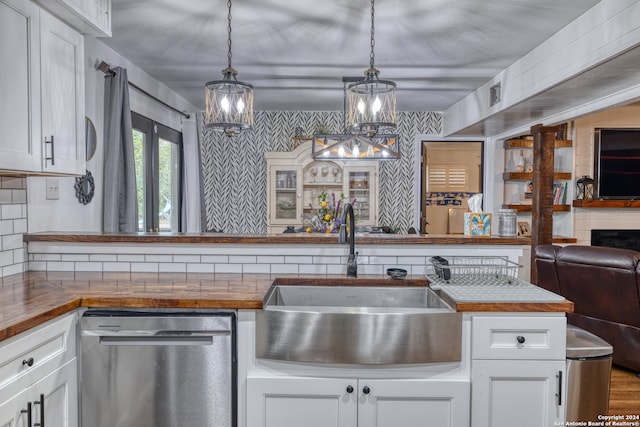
(356, 402)
(523, 393)
(518, 370)
(57, 393)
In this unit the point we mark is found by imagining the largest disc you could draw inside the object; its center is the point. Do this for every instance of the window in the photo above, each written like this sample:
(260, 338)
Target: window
(158, 162)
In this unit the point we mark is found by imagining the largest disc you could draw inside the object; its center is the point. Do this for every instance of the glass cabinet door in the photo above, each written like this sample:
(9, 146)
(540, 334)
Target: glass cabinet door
(360, 185)
(285, 207)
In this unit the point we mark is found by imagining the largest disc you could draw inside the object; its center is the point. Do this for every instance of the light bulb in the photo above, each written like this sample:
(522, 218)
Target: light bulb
(341, 151)
(224, 103)
(361, 106)
(356, 151)
(370, 152)
(375, 107)
(240, 105)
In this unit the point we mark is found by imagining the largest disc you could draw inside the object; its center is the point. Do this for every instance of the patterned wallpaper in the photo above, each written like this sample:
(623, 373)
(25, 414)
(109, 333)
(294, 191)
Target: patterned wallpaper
(235, 171)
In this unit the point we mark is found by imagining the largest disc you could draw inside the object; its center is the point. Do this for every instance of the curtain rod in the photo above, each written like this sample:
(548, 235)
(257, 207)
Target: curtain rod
(106, 68)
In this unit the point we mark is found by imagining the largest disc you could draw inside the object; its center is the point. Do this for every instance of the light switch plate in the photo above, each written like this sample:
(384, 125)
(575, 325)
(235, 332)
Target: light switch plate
(53, 192)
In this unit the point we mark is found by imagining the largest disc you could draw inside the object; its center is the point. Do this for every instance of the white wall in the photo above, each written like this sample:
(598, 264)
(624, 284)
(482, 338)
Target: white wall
(591, 218)
(66, 213)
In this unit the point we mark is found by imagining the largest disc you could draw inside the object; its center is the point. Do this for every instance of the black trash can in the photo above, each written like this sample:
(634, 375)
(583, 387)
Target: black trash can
(588, 375)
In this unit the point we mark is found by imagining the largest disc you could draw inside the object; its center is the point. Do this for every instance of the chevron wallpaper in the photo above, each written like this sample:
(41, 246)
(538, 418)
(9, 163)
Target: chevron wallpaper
(235, 171)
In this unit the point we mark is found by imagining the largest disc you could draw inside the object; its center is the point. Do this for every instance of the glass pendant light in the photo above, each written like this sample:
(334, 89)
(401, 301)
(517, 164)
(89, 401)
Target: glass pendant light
(229, 102)
(372, 102)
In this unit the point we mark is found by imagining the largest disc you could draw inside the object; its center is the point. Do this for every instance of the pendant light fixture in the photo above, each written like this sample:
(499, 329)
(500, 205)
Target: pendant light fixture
(372, 102)
(353, 146)
(229, 102)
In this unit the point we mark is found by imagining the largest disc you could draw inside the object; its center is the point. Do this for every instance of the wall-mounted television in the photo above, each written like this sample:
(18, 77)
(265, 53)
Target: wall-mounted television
(617, 163)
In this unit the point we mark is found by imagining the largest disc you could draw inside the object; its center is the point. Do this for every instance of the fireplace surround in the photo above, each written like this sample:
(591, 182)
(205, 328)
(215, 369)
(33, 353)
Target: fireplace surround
(626, 239)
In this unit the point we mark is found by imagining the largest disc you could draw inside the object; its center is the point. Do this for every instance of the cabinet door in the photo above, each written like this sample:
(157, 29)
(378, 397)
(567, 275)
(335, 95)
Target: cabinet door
(413, 403)
(13, 413)
(58, 392)
(296, 402)
(285, 196)
(62, 97)
(360, 183)
(19, 85)
(522, 393)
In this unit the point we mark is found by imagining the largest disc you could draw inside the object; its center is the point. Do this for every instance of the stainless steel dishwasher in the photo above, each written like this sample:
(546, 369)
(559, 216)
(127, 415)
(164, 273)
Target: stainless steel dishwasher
(158, 369)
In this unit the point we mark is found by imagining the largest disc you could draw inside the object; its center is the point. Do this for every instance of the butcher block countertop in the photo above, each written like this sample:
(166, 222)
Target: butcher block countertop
(279, 239)
(29, 299)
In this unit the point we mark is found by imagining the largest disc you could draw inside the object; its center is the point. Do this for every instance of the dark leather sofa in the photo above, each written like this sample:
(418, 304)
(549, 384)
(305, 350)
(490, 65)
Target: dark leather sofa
(604, 284)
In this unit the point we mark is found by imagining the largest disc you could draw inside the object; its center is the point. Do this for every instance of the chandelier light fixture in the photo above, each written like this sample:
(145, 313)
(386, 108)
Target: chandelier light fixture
(354, 146)
(229, 102)
(372, 102)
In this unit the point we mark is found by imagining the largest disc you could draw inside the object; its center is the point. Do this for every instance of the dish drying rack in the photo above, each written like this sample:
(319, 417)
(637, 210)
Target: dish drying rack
(470, 270)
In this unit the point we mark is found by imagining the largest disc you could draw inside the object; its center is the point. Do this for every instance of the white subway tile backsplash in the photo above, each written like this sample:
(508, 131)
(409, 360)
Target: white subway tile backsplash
(18, 196)
(312, 269)
(200, 268)
(158, 258)
(12, 182)
(13, 269)
(37, 266)
(116, 266)
(172, 267)
(103, 257)
(6, 227)
(88, 266)
(256, 268)
(186, 258)
(270, 259)
(19, 226)
(5, 197)
(327, 260)
(12, 241)
(242, 259)
(60, 266)
(370, 269)
(11, 211)
(284, 268)
(228, 268)
(75, 257)
(6, 258)
(47, 257)
(19, 255)
(298, 259)
(214, 259)
(412, 260)
(142, 267)
(131, 258)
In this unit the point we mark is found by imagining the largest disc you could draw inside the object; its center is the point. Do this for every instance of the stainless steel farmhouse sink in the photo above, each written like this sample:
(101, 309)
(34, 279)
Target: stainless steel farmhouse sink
(357, 325)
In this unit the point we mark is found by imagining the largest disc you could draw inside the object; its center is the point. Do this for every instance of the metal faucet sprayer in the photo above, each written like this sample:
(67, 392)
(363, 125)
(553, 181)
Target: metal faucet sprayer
(352, 261)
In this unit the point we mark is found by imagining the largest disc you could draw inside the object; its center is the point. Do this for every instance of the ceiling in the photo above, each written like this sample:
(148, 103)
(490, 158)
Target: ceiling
(295, 53)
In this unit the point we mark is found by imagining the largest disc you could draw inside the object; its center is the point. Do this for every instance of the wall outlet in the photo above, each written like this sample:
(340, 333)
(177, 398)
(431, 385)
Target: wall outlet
(53, 192)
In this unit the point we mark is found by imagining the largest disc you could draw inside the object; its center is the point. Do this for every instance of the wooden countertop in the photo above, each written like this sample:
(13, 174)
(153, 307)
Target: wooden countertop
(29, 299)
(284, 238)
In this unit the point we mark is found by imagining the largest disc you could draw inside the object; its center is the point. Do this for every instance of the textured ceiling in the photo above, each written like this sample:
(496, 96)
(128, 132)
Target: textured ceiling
(296, 52)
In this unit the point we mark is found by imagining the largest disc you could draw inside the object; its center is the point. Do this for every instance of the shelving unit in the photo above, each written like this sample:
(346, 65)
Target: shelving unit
(608, 204)
(515, 182)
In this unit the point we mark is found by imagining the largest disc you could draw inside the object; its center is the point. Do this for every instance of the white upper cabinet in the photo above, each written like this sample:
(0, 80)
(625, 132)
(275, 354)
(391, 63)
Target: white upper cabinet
(42, 92)
(89, 17)
(19, 85)
(62, 100)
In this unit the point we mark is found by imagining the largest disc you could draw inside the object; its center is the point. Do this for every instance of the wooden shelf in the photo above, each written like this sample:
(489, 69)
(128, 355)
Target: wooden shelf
(528, 143)
(528, 176)
(527, 208)
(612, 204)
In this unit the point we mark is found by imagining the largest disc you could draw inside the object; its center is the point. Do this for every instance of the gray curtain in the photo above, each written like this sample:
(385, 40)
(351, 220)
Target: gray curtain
(120, 200)
(193, 210)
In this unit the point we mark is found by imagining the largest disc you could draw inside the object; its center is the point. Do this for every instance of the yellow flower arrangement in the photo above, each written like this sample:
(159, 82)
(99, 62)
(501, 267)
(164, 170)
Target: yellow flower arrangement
(328, 217)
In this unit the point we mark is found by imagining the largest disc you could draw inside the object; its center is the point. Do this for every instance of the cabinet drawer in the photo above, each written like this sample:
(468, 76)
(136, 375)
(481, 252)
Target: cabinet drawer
(45, 348)
(518, 337)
